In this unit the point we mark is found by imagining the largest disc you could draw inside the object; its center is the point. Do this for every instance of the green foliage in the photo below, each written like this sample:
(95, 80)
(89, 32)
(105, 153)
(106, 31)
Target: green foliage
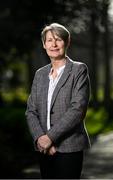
(96, 120)
(15, 95)
(108, 127)
(16, 150)
(13, 122)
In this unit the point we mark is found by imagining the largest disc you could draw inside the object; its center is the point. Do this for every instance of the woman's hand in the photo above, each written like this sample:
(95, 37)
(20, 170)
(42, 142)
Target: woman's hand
(44, 143)
(52, 150)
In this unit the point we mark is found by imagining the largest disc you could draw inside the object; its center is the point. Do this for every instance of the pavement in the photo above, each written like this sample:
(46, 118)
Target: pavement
(98, 160)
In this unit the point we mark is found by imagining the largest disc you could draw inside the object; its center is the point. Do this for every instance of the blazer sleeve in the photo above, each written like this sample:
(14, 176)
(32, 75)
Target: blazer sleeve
(78, 106)
(32, 112)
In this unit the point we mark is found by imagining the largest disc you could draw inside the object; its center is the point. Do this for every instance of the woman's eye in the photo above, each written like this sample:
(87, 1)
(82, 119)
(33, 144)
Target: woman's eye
(48, 39)
(58, 39)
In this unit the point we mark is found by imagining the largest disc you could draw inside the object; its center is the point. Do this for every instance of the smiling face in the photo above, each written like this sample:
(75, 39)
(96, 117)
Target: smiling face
(54, 46)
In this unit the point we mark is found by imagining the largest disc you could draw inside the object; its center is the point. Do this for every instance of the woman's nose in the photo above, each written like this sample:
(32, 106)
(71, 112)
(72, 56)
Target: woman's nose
(54, 43)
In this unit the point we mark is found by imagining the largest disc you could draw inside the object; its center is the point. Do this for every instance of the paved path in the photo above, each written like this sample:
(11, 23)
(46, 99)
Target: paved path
(98, 162)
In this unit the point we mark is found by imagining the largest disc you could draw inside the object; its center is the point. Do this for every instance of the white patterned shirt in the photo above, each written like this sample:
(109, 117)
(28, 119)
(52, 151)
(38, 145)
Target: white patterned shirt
(52, 84)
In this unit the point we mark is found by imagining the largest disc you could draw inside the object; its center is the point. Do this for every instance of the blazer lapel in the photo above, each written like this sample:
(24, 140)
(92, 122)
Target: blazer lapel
(45, 88)
(62, 80)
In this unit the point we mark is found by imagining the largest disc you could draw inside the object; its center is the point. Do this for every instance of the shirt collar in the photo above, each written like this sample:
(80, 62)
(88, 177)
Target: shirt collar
(59, 70)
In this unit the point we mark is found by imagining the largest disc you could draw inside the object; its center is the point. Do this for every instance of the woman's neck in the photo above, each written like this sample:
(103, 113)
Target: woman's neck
(58, 63)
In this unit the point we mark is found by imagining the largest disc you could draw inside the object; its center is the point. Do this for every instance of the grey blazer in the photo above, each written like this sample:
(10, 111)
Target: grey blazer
(68, 107)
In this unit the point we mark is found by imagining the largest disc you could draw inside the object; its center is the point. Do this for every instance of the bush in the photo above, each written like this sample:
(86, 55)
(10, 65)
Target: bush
(16, 150)
(96, 120)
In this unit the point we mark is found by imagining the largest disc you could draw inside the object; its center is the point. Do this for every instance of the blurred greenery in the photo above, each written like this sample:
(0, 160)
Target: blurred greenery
(17, 150)
(19, 95)
(96, 120)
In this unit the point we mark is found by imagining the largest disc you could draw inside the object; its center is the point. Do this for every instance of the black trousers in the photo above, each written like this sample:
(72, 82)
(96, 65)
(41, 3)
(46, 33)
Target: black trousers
(61, 165)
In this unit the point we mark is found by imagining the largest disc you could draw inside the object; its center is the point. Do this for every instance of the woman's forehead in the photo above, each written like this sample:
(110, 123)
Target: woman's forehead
(51, 34)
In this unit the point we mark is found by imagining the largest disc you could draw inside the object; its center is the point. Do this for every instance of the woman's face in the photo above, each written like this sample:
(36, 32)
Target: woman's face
(54, 46)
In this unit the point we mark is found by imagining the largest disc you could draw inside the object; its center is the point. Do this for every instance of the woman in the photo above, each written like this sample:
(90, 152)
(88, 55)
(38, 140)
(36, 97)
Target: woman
(57, 106)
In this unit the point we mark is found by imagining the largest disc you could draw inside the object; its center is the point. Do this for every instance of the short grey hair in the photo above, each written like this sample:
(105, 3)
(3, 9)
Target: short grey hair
(59, 30)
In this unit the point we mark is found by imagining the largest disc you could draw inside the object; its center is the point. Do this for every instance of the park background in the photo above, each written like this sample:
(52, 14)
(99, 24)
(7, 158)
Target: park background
(21, 54)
